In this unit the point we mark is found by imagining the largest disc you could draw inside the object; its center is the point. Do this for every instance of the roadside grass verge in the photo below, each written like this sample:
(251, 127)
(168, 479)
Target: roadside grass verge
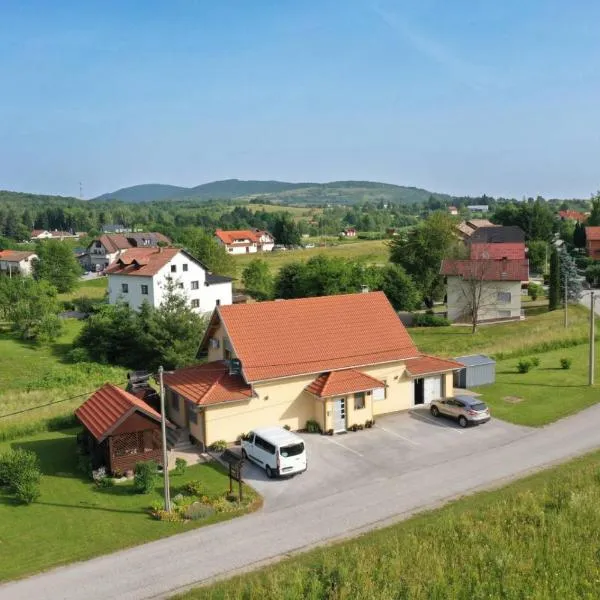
(34, 375)
(76, 520)
(536, 539)
(538, 332)
(370, 251)
(544, 394)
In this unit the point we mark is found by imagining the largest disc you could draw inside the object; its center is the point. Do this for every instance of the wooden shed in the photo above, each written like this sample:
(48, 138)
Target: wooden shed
(120, 429)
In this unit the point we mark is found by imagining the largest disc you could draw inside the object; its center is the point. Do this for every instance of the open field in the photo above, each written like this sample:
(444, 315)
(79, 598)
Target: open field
(298, 212)
(544, 394)
(374, 252)
(88, 288)
(34, 375)
(506, 338)
(75, 520)
(535, 539)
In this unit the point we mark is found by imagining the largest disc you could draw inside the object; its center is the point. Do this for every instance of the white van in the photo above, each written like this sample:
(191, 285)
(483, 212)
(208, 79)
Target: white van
(277, 450)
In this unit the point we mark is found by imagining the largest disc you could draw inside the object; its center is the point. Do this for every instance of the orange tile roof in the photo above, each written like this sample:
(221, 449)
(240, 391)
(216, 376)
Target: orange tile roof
(236, 236)
(486, 270)
(109, 406)
(424, 364)
(208, 384)
(574, 215)
(592, 234)
(15, 255)
(514, 250)
(347, 381)
(144, 262)
(283, 338)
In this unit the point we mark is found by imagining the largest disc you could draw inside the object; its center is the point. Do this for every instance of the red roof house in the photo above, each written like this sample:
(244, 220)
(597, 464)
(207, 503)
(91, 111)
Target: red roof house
(592, 242)
(572, 215)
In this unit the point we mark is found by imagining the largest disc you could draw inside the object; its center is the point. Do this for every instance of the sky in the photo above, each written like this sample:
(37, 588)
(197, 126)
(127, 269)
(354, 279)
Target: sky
(461, 97)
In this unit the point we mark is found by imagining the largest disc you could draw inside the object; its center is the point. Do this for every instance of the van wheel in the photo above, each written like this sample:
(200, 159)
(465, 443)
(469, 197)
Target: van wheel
(269, 471)
(244, 455)
(462, 421)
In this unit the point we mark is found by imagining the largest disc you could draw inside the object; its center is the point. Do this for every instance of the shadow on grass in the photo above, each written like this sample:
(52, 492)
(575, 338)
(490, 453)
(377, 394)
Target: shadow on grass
(90, 506)
(57, 456)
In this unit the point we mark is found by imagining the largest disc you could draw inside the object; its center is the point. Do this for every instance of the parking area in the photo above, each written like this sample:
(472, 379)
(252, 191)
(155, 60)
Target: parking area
(397, 444)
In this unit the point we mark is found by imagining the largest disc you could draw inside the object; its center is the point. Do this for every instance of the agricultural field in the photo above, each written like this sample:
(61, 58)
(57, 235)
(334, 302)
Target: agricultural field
(76, 520)
(299, 213)
(536, 538)
(369, 251)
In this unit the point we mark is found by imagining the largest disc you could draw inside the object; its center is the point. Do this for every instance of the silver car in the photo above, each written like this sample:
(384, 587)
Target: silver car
(467, 410)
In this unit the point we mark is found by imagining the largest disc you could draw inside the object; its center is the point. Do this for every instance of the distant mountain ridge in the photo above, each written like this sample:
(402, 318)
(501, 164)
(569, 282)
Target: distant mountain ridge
(276, 191)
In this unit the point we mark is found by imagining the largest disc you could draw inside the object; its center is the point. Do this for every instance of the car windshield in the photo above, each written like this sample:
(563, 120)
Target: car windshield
(479, 406)
(292, 450)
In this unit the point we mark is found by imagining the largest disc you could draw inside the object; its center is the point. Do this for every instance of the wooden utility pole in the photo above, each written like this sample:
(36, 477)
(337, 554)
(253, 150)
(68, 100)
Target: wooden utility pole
(592, 358)
(163, 430)
(566, 298)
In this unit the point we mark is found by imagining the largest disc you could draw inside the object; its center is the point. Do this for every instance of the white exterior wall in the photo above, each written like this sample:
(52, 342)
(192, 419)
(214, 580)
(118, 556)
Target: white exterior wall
(134, 296)
(490, 309)
(234, 249)
(23, 267)
(216, 291)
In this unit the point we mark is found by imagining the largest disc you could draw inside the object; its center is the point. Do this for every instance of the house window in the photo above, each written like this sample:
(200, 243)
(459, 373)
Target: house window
(125, 288)
(503, 297)
(195, 303)
(218, 302)
(192, 414)
(144, 290)
(173, 268)
(359, 400)
(195, 285)
(185, 267)
(174, 401)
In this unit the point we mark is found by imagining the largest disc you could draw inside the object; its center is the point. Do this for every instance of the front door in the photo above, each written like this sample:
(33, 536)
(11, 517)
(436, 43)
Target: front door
(339, 415)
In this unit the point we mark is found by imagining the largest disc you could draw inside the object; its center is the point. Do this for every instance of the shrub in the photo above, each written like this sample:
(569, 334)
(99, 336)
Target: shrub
(198, 510)
(222, 505)
(565, 363)
(534, 290)
(429, 320)
(105, 482)
(535, 361)
(170, 517)
(218, 446)
(524, 365)
(78, 355)
(145, 476)
(312, 426)
(27, 490)
(194, 488)
(180, 466)
(84, 304)
(20, 473)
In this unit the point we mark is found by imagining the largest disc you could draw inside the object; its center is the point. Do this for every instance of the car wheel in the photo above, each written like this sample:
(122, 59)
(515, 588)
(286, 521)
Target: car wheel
(435, 411)
(269, 471)
(462, 421)
(244, 455)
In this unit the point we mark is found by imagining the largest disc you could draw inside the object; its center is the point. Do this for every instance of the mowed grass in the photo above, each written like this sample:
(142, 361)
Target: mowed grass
(36, 375)
(535, 539)
(88, 288)
(369, 251)
(75, 520)
(507, 338)
(544, 394)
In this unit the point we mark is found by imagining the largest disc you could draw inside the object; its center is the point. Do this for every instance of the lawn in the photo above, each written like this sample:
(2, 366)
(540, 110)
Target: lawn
(33, 375)
(506, 338)
(75, 520)
(94, 289)
(535, 539)
(370, 251)
(544, 394)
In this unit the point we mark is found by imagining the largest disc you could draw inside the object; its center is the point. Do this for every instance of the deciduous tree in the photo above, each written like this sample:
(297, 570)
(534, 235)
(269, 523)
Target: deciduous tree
(57, 265)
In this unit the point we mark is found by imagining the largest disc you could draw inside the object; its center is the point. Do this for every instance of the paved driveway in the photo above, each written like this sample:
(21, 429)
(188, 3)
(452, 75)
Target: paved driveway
(397, 444)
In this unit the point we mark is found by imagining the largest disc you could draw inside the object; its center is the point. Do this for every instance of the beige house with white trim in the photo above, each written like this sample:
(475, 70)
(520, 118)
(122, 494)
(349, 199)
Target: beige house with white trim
(338, 360)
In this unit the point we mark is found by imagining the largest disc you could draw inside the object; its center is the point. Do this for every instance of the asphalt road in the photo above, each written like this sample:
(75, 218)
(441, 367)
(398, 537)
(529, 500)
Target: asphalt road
(160, 568)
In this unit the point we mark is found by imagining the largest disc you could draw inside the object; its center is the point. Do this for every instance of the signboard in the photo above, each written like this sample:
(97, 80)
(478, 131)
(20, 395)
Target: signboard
(379, 394)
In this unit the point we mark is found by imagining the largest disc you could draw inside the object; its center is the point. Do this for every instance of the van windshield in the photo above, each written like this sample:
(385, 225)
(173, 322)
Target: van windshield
(292, 450)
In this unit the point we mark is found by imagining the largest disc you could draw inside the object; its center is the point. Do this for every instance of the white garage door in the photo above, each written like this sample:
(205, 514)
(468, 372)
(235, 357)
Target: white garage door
(432, 389)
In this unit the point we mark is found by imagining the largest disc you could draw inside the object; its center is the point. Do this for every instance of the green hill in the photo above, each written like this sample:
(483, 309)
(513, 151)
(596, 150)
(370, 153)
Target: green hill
(335, 192)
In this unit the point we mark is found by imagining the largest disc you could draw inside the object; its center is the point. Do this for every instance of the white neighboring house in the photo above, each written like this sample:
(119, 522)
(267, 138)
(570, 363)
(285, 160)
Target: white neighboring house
(140, 274)
(15, 262)
(45, 234)
(483, 290)
(245, 241)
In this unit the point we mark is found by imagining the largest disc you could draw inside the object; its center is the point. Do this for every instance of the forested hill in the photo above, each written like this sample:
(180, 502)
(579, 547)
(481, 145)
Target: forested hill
(336, 192)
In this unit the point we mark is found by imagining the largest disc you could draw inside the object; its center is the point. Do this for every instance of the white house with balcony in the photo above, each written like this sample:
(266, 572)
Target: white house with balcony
(245, 241)
(141, 275)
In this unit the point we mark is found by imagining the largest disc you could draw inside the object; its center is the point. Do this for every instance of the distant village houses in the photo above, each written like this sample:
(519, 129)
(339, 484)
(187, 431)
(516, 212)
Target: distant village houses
(141, 275)
(45, 234)
(348, 232)
(245, 241)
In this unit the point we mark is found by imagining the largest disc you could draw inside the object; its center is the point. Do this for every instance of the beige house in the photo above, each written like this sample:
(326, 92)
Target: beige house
(337, 360)
(484, 290)
(16, 262)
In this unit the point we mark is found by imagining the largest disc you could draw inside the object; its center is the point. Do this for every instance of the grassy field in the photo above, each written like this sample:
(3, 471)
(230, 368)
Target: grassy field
(75, 520)
(88, 288)
(508, 338)
(374, 252)
(298, 212)
(535, 539)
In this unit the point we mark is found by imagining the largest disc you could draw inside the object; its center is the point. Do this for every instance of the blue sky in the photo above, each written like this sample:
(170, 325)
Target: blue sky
(459, 97)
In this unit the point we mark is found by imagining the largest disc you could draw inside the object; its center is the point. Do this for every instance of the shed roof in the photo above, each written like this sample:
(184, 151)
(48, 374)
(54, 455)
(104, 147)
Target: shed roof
(346, 381)
(475, 360)
(424, 365)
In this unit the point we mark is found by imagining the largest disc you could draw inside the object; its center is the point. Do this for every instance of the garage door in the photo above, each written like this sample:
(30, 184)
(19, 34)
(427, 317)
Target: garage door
(432, 389)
